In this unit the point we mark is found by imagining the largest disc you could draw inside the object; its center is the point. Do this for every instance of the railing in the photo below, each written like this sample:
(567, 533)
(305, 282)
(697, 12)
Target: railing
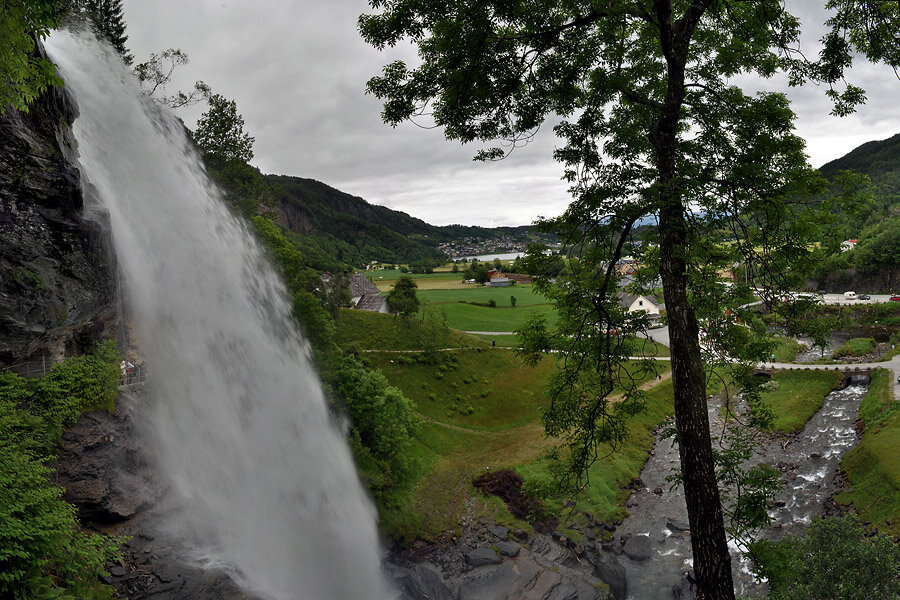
(135, 375)
(32, 369)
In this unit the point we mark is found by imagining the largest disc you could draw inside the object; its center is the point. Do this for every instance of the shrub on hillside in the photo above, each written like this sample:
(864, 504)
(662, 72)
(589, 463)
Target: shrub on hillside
(43, 553)
(835, 558)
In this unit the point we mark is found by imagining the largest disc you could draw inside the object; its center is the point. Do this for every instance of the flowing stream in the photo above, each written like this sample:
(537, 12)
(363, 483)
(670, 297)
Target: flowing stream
(808, 465)
(264, 481)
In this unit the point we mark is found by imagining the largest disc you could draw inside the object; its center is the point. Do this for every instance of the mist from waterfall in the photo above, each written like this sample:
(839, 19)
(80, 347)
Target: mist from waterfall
(237, 422)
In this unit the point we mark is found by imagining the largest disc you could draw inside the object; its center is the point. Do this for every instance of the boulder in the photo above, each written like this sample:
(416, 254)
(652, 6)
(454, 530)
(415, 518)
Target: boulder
(508, 549)
(611, 572)
(637, 547)
(482, 556)
(421, 583)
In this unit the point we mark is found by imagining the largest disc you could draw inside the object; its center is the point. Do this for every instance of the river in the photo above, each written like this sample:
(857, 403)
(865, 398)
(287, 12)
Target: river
(808, 462)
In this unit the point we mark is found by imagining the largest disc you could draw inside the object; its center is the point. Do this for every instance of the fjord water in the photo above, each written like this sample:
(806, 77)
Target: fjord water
(263, 480)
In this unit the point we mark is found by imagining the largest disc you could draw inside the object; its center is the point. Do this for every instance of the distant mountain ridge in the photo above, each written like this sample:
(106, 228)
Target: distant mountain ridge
(873, 157)
(880, 160)
(353, 230)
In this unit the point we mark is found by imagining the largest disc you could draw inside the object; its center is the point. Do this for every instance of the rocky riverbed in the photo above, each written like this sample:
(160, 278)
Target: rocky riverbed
(655, 539)
(646, 557)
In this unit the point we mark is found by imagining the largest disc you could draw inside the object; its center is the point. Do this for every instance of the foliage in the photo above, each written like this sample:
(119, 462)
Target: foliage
(402, 299)
(835, 559)
(108, 22)
(855, 347)
(652, 128)
(24, 73)
(384, 420)
(220, 131)
(872, 469)
(43, 553)
(156, 73)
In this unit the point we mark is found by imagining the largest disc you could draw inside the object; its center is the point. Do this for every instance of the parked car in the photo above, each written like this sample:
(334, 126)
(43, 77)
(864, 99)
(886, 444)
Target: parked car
(895, 298)
(864, 297)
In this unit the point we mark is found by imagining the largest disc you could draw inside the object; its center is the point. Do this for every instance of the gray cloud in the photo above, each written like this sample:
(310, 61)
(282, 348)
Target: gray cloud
(297, 71)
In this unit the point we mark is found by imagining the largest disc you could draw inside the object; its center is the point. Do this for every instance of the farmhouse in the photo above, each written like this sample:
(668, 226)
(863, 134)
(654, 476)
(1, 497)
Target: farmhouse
(365, 296)
(634, 303)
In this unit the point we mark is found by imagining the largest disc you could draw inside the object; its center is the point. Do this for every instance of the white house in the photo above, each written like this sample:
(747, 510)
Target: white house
(633, 303)
(848, 245)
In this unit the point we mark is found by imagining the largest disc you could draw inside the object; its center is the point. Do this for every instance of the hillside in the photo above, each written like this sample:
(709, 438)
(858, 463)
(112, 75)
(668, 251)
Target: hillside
(358, 232)
(880, 161)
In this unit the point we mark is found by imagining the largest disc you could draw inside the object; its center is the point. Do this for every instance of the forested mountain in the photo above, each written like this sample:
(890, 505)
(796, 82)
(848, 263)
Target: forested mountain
(874, 265)
(352, 230)
(880, 161)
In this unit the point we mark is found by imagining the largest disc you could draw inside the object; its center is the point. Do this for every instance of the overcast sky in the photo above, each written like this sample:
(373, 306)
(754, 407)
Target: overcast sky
(298, 68)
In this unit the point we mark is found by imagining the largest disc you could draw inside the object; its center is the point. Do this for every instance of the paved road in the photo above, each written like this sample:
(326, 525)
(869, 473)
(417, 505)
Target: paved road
(839, 299)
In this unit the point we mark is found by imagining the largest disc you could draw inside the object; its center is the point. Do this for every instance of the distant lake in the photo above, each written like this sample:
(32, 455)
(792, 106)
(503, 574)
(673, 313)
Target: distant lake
(491, 257)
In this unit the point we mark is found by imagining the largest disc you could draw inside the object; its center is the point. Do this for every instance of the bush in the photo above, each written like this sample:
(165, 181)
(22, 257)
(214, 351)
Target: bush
(835, 559)
(855, 347)
(43, 553)
(383, 422)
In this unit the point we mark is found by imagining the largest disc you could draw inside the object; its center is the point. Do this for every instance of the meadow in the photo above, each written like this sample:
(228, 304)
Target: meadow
(480, 409)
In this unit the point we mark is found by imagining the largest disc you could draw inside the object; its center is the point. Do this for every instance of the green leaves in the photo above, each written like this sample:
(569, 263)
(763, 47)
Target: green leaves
(25, 75)
(43, 552)
(220, 131)
(834, 559)
(402, 298)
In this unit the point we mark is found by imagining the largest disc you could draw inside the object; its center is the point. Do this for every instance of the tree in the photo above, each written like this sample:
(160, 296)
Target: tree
(24, 73)
(220, 131)
(402, 298)
(156, 73)
(109, 23)
(834, 559)
(652, 130)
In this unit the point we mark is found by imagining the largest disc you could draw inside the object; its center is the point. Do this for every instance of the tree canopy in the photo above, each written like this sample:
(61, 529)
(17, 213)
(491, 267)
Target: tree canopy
(653, 131)
(402, 298)
(24, 73)
(220, 131)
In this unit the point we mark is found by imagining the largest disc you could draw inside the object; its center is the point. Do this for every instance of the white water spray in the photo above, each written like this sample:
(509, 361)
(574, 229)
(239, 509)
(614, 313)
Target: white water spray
(238, 420)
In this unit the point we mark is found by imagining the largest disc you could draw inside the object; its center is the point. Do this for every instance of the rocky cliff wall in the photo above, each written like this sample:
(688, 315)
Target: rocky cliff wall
(57, 277)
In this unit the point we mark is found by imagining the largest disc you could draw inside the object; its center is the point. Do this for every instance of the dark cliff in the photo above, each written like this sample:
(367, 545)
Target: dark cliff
(57, 280)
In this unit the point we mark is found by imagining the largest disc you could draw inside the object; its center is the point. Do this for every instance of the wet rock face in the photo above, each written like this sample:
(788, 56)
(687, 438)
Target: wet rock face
(57, 284)
(101, 468)
(486, 565)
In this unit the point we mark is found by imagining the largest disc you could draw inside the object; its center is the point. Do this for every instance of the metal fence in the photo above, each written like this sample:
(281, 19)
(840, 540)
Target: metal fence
(32, 369)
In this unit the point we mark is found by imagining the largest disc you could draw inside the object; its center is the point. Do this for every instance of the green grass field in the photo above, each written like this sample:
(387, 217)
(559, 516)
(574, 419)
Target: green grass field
(362, 330)
(468, 317)
(799, 395)
(524, 294)
(480, 409)
(872, 468)
(855, 347)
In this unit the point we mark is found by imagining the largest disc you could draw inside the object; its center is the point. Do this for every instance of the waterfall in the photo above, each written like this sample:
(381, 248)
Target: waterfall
(236, 418)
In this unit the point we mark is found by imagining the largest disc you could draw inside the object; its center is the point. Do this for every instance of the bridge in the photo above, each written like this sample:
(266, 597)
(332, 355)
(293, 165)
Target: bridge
(848, 370)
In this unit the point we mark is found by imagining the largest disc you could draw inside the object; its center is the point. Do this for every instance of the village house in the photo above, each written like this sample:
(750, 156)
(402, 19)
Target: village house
(633, 303)
(365, 296)
(848, 245)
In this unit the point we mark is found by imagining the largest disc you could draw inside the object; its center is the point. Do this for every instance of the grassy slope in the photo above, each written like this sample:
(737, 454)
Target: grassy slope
(799, 395)
(468, 317)
(480, 409)
(872, 468)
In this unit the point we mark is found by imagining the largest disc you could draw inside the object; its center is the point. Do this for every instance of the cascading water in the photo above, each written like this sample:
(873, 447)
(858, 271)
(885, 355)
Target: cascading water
(237, 419)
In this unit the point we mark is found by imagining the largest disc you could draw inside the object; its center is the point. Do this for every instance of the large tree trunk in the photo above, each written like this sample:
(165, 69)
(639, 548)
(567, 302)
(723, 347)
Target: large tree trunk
(712, 561)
